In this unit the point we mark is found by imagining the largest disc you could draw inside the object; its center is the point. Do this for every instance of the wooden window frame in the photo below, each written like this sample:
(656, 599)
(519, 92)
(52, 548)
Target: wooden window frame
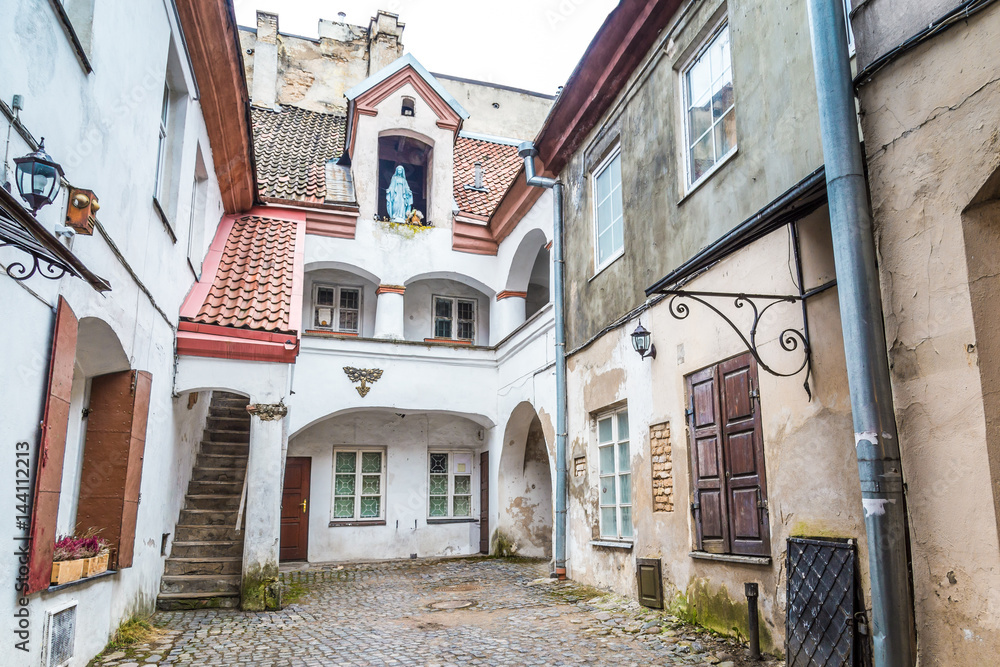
(335, 325)
(715, 435)
(615, 443)
(595, 174)
(691, 183)
(356, 515)
(454, 319)
(452, 473)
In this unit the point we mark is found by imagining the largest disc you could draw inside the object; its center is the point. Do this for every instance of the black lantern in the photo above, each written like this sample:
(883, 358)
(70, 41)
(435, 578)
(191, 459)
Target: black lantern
(37, 176)
(641, 341)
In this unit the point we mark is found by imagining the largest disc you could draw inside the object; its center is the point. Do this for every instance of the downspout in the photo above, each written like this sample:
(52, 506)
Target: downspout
(876, 440)
(528, 152)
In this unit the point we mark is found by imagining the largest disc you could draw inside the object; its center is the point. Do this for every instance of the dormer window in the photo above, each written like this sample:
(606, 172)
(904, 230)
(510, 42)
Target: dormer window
(407, 109)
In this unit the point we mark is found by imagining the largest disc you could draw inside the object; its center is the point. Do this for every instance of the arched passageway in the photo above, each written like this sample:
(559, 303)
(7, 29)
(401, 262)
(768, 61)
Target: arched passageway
(524, 491)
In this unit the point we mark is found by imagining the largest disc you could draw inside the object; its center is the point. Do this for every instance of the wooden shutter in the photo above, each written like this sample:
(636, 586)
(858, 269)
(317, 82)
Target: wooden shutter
(112, 463)
(48, 475)
(709, 502)
(743, 448)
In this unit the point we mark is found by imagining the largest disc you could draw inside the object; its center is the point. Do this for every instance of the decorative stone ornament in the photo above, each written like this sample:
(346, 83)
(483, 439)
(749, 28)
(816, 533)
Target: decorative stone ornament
(268, 412)
(364, 376)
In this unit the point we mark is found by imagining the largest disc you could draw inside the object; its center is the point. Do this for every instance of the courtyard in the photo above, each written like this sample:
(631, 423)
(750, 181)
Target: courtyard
(468, 611)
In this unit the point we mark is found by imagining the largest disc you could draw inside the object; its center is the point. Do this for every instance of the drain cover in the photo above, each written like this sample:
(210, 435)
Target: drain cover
(451, 604)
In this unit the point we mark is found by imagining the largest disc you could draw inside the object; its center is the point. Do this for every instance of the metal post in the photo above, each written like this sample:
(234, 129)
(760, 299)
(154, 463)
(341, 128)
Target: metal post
(876, 439)
(753, 623)
(527, 151)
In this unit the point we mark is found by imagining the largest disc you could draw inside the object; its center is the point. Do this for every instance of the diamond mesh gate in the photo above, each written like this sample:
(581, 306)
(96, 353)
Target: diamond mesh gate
(819, 625)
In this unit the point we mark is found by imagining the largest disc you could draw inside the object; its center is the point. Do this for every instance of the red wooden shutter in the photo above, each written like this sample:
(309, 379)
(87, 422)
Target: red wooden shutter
(744, 457)
(142, 383)
(112, 464)
(710, 517)
(48, 475)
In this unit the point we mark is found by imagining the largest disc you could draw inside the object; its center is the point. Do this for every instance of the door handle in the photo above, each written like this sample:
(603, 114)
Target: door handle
(304, 505)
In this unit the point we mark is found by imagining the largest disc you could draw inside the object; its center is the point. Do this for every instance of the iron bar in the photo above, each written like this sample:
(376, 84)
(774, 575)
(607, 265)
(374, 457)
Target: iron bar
(876, 438)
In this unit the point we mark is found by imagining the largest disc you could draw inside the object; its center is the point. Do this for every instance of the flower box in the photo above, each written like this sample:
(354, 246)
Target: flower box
(95, 565)
(65, 571)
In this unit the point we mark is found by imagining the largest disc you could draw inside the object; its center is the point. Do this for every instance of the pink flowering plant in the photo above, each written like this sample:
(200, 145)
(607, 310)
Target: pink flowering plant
(88, 545)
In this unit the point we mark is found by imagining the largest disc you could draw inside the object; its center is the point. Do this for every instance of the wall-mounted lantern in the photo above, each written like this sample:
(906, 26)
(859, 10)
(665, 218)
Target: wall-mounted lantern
(81, 214)
(37, 176)
(642, 342)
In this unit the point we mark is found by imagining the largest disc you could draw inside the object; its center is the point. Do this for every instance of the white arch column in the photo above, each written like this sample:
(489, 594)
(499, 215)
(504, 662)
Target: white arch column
(509, 309)
(389, 317)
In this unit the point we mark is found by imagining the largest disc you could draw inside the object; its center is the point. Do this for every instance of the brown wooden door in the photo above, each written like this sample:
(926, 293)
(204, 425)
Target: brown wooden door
(295, 509)
(484, 503)
(709, 501)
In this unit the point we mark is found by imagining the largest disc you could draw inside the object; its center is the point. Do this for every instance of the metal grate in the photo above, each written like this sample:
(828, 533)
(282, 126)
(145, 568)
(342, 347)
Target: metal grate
(60, 636)
(819, 626)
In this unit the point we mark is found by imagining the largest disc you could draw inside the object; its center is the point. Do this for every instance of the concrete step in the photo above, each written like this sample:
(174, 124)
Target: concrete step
(192, 601)
(227, 435)
(229, 423)
(209, 517)
(211, 488)
(204, 566)
(206, 548)
(207, 533)
(221, 461)
(236, 411)
(201, 474)
(200, 583)
(209, 501)
(231, 448)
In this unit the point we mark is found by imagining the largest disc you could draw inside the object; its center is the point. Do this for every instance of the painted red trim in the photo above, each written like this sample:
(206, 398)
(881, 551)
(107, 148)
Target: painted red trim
(298, 277)
(199, 291)
(335, 225)
(226, 347)
(473, 218)
(508, 294)
(366, 103)
(548, 246)
(447, 341)
(233, 332)
(472, 238)
(390, 289)
(328, 332)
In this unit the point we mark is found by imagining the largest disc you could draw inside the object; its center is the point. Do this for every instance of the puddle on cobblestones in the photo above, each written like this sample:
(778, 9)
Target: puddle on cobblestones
(451, 604)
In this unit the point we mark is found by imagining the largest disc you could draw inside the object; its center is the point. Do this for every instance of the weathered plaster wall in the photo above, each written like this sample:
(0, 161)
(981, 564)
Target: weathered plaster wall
(932, 143)
(524, 484)
(778, 141)
(498, 110)
(407, 441)
(812, 479)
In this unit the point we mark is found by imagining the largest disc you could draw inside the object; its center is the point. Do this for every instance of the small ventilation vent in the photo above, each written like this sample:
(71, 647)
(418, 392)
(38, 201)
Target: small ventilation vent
(60, 635)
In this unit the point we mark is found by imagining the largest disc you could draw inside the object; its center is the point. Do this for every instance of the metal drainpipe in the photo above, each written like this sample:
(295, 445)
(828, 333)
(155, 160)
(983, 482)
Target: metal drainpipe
(528, 152)
(877, 446)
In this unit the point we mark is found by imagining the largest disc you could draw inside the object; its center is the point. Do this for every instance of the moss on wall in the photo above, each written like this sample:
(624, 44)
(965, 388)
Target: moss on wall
(260, 590)
(720, 612)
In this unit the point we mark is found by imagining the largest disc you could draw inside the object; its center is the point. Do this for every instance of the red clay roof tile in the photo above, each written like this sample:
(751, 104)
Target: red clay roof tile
(252, 288)
(500, 165)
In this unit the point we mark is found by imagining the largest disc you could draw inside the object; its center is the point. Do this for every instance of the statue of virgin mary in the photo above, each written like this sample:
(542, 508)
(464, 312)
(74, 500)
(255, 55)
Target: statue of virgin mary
(398, 197)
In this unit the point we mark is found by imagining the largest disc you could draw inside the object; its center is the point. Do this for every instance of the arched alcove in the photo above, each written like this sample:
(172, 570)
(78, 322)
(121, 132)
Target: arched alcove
(524, 484)
(414, 155)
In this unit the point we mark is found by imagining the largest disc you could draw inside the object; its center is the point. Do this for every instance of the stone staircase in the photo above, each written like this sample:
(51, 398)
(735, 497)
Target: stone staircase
(203, 570)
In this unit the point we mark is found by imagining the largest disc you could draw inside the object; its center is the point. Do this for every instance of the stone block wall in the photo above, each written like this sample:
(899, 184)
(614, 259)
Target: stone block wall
(663, 474)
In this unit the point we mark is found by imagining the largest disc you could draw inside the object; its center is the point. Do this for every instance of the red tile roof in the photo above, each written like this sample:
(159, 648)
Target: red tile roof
(500, 165)
(252, 288)
(292, 147)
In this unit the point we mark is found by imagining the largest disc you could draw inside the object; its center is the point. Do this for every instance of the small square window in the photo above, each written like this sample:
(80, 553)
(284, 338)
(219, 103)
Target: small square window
(449, 485)
(358, 484)
(454, 318)
(337, 308)
(710, 107)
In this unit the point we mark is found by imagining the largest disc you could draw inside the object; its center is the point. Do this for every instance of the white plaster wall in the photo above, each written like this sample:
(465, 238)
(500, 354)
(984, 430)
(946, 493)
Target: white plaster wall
(102, 128)
(407, 441)
(341, 278)
(418, 304)
(519, 114)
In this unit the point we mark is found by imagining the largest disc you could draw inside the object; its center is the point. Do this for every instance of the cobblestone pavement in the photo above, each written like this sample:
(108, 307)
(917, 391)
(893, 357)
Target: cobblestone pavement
(419, 613)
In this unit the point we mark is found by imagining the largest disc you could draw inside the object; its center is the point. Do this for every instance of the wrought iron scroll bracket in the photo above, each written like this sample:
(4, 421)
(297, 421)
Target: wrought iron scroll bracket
(40, 264)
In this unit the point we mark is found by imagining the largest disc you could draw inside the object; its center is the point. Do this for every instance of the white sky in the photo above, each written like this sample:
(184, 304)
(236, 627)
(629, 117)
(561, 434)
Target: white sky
(531, 44)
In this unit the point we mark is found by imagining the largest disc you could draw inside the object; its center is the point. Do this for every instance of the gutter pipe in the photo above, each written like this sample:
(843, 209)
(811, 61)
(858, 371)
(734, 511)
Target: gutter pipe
(876, 441)
(528, 152)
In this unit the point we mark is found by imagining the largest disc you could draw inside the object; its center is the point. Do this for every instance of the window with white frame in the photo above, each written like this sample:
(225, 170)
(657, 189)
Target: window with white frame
(337, 308)
(454, 318)
(358, 484)
(162, 146)
(710, 107)
(850, 29)
(196, 218)
(609, 221)
(614, 459)
(450, 485)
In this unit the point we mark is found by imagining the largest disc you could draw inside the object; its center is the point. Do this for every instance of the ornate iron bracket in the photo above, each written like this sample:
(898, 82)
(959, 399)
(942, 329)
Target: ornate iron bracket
(39, 263)
(364, 376)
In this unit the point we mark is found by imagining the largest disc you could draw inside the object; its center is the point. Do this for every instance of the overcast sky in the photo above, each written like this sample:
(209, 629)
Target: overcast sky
(531, 44)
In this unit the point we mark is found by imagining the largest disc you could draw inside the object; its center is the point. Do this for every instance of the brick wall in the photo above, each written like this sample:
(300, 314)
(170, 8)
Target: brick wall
(663, 473)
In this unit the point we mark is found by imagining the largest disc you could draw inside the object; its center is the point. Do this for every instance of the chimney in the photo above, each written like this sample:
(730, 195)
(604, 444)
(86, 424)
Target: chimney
(385, 40)
(265, 62)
